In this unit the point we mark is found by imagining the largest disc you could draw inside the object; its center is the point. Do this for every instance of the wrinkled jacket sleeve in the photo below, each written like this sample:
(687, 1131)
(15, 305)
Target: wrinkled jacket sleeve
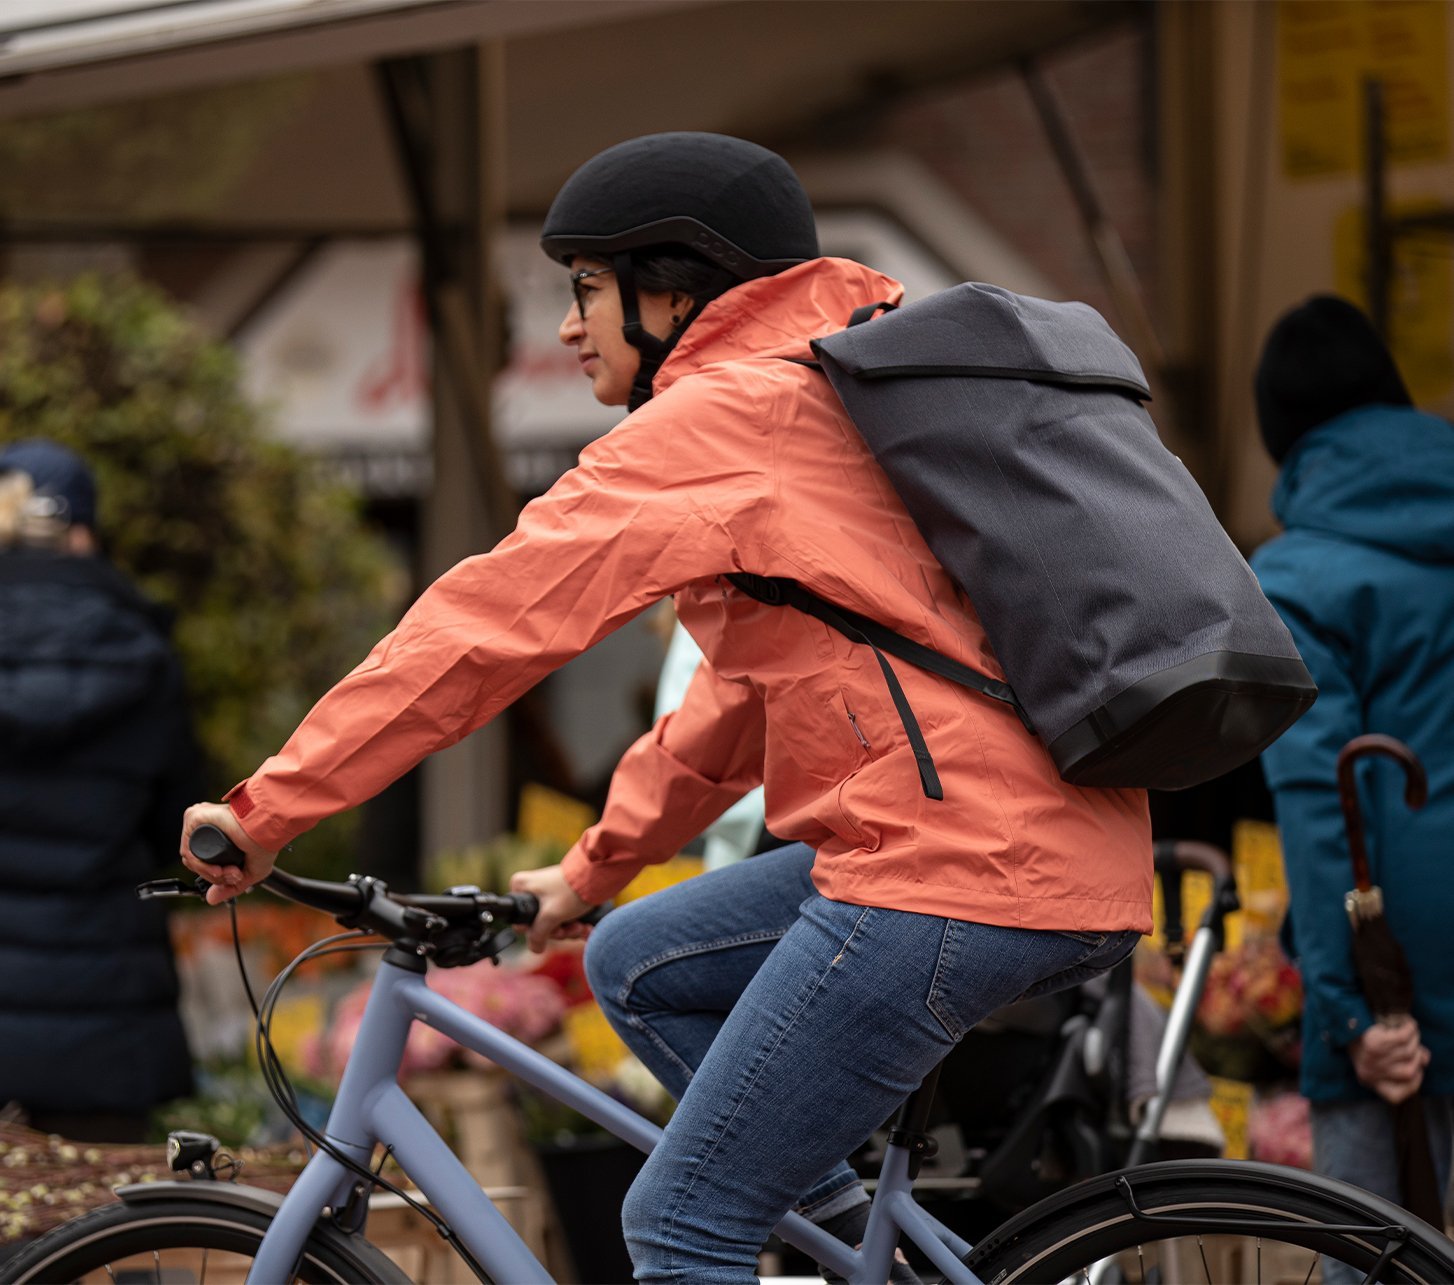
(666, 498)
(673, 783)
(1301, 771)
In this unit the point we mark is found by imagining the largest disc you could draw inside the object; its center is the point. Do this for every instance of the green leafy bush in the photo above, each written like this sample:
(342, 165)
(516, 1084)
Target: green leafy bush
(278, 585)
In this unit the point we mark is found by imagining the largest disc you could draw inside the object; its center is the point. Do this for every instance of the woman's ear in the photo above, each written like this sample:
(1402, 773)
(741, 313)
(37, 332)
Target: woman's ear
(682, 307)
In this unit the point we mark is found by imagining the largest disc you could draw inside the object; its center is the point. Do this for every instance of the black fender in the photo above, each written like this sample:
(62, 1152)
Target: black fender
(222, 1193)
(367, 1262)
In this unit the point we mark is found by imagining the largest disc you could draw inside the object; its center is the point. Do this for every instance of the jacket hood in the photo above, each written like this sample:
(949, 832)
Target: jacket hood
(777, 315)
(77, 645)
(1382, 475)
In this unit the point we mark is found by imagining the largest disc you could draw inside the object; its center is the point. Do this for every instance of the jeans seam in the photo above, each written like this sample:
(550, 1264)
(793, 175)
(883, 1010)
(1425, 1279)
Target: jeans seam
(1079, 964)
(690, 1179)
(947, 947)
(807, 1210)
(639, 1023)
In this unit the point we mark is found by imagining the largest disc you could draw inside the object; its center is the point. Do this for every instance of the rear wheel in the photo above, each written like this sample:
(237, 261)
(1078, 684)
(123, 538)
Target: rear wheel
(181, 1242)
(1211, 1221)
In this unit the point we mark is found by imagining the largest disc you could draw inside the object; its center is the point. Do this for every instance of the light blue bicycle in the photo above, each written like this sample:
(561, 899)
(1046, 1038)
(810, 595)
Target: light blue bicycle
(1179, 1221)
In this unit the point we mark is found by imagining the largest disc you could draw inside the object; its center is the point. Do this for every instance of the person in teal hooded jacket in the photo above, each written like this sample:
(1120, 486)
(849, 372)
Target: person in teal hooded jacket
(1363, 575)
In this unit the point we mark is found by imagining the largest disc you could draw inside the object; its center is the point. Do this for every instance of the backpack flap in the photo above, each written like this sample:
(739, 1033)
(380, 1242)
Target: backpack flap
(976, 329)
(1128, 625)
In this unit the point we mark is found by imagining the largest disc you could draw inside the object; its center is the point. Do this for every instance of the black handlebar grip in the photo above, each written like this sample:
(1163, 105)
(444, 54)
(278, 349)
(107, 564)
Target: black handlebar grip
(527, 906)
(209, 844)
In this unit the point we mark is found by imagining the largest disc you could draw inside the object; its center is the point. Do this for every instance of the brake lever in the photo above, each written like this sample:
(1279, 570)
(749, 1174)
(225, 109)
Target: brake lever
(208, 844)
(171, 888)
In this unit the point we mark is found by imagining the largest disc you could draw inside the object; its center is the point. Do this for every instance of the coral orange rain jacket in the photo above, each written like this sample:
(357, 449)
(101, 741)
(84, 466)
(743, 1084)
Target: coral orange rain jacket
(742, 461)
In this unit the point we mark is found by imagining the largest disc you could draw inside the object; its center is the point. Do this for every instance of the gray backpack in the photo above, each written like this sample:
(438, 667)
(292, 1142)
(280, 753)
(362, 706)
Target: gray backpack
(1137, 643)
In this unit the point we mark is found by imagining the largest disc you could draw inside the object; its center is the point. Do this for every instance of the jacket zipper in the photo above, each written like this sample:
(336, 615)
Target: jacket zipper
(858, 731)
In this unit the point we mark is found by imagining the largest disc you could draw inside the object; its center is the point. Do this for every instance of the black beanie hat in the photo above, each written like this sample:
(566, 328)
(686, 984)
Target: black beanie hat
(1320, 360)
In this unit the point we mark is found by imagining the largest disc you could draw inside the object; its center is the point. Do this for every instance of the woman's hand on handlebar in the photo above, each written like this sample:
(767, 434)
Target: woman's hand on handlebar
(559, 905)
(226, 881)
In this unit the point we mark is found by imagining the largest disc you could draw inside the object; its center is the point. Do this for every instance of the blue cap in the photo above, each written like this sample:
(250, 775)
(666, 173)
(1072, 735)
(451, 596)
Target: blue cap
(56, 471)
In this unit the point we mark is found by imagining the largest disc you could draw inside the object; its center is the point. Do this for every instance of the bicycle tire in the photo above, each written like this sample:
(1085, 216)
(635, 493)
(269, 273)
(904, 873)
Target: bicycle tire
(173, 1238)
(1177, 1206)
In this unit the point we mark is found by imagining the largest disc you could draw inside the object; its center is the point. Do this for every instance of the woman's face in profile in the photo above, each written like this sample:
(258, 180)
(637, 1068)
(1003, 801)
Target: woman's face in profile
(592, 326)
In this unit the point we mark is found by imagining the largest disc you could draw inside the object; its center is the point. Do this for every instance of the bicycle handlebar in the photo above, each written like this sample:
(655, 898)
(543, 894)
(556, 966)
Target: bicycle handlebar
(365, 902)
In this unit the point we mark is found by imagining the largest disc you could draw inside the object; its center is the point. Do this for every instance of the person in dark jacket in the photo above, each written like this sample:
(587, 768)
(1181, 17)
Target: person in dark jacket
(96, 764)
(1364, 577)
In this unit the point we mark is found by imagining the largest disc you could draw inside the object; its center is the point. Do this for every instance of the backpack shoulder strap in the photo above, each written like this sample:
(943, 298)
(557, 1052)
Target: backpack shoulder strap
(778, 591)
(869, 311)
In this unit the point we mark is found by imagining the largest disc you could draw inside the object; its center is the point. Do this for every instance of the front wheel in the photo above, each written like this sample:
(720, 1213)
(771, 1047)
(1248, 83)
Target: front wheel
(1213, 1221)
(183, 1240)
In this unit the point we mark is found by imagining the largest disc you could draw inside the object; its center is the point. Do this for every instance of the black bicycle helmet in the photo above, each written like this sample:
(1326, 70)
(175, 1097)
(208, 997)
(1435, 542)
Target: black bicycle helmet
(735, 204)
(731, 201)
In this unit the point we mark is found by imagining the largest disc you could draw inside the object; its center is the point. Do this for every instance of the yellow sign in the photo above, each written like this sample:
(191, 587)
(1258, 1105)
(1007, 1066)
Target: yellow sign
(1421, 298)
(1261, 883)
(656, 877)
(595, 1048)
(1319, 52)
(1261, 887)
(1196, 895)
(1408, 53)
(1329, 49)
(548, 814)
(1232, 1105)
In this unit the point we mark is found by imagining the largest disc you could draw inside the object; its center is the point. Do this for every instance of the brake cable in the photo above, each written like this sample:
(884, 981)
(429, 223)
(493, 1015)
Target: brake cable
(280, 1088)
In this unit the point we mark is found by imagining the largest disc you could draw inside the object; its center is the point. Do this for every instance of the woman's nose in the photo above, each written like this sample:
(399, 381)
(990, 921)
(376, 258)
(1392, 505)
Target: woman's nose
(572, 327)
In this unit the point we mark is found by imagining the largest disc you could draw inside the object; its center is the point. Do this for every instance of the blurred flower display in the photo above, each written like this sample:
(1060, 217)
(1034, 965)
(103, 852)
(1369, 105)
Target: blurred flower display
(273, 932)
(593, 1051)
(1280, 1130)
(518, 1001)
(1248, 1021)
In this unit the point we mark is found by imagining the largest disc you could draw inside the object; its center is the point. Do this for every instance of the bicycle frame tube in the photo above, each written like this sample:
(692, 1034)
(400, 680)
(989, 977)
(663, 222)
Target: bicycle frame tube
(894, 1211)
(371, 1108)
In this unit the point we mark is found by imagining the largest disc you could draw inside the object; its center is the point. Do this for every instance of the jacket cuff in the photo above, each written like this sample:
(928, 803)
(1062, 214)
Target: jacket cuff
(1345, 1023)
(265, 831)
(598, 880)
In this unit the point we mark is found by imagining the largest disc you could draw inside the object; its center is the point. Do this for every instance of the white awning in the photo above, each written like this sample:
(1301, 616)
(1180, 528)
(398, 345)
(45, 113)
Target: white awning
(58, 54)
(38, 35)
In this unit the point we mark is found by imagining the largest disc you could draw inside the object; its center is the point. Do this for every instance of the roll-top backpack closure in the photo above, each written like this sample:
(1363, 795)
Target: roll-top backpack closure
(981, 330)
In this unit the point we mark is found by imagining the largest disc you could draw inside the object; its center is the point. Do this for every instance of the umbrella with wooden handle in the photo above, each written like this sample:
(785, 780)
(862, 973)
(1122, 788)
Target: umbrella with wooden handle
(1382, 969)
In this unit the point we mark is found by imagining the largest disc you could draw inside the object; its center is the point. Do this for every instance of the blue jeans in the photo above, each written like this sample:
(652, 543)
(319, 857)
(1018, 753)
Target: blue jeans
(789, 1028)
(1354, 1141)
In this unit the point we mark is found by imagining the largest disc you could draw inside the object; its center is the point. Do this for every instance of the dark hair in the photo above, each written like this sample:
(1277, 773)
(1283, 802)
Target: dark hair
(682, 271)
(1321, 360)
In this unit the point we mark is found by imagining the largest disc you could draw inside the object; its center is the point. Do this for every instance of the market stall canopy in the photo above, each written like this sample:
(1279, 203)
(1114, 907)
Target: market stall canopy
(58, 54)
(765, 69)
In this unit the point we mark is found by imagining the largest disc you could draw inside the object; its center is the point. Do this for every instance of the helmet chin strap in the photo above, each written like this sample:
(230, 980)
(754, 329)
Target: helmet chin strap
(652, 349)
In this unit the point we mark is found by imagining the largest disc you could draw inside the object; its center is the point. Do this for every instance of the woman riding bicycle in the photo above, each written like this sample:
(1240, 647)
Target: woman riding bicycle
(790, 1002)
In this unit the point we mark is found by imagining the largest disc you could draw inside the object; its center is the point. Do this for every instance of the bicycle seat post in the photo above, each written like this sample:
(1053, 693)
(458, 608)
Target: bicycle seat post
(911, 1129)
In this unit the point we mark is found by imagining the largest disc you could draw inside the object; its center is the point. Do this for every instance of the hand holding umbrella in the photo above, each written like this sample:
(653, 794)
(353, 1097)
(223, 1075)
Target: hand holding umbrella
(1387, 981)
(1390, 1060)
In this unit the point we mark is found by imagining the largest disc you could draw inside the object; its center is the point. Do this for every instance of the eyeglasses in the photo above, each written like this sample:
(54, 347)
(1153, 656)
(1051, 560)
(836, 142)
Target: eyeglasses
(575, 285)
